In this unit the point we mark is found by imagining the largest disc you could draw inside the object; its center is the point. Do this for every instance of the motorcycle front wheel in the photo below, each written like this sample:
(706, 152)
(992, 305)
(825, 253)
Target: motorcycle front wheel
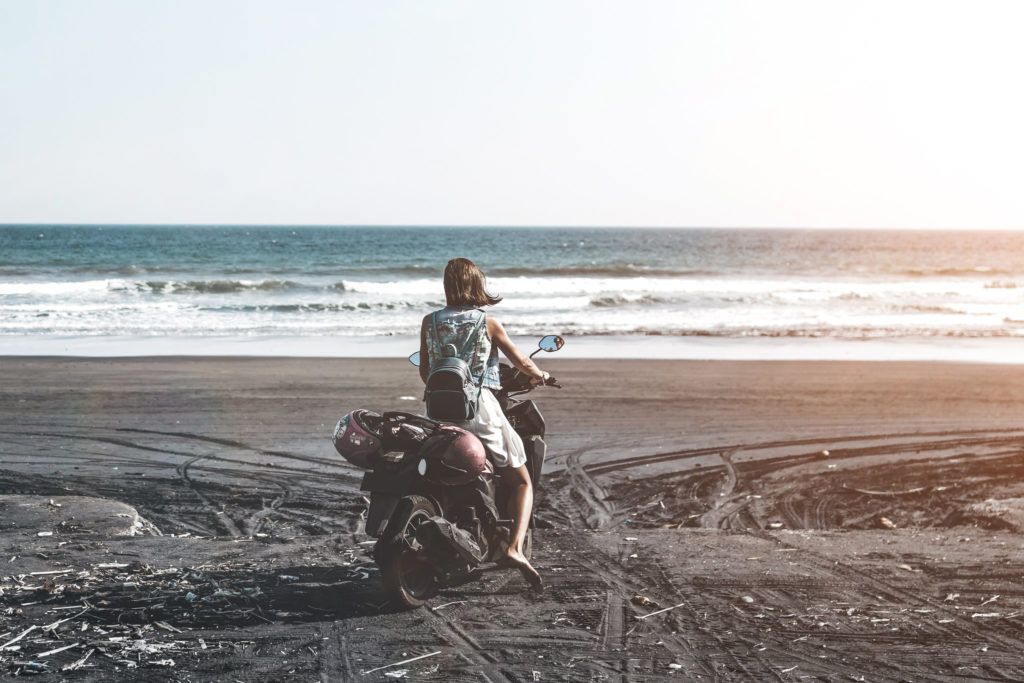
(408, 575)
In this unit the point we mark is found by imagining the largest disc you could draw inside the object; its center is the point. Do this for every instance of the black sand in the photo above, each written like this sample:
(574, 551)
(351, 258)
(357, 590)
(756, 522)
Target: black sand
(703, 487)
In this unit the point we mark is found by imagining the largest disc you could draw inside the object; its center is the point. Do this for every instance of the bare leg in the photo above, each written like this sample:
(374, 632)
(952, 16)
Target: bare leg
(520, 490)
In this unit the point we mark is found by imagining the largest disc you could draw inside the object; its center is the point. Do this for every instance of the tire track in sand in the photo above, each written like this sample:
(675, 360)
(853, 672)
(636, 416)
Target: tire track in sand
(467, 646)
(220, 515)
(601, 511)
(961, 438)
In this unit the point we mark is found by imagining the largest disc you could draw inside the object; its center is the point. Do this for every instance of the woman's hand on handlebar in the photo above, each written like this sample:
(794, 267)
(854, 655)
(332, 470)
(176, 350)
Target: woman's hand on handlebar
(536, 381)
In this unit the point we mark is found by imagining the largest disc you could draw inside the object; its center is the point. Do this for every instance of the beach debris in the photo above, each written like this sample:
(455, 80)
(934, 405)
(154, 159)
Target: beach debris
(886, 523)
(167, 627)
(774, 525)
(397, 673)
(78, 664)
(449, 604)
(24, 633)
(660, 611)
(643, 601)
(825, 453)
(54, 651)
(747, 599)
(134, 615)
(52, 573)
(53, 627)
(404, 661)
(31, 668)
(44, 534)
(906, 492)
(906, 568)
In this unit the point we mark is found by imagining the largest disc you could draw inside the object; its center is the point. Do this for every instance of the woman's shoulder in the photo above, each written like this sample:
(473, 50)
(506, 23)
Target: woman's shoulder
(493, 324)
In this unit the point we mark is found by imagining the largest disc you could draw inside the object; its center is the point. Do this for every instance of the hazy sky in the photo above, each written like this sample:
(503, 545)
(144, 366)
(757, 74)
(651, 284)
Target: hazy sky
(818, 113)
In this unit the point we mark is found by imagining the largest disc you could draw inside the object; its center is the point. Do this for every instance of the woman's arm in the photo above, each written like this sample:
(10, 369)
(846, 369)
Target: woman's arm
(500, 339)
(424, 357)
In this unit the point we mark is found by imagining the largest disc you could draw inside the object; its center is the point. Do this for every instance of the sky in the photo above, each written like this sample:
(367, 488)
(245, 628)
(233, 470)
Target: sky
(901, 114)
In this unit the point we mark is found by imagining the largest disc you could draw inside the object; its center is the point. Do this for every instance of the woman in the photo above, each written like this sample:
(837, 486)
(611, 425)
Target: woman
(465, 291)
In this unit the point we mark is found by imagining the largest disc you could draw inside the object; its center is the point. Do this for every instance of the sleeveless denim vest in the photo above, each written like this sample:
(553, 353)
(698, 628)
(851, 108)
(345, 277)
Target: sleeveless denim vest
(454, 325)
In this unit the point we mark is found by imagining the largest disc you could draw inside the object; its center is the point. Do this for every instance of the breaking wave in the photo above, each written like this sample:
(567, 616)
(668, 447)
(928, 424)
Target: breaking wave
(957, 272)
(624, 300)
(626, 270)
(317, 307)
(215, 286)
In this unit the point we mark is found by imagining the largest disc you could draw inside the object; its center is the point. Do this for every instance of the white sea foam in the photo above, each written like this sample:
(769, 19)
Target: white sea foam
(59, 288)
(702, 306)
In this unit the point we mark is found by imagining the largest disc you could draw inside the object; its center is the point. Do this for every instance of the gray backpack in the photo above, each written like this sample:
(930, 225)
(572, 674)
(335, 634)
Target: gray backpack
(451, 394)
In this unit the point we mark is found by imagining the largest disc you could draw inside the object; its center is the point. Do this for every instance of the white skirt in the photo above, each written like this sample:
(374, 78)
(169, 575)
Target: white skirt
(492, 427)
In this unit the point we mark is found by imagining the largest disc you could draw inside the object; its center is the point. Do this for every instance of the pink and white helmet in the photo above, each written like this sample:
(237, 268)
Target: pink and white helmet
(355, 438)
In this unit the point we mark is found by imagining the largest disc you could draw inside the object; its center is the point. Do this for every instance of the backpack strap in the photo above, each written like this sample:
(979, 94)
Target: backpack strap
(471, 339)
(437, 337)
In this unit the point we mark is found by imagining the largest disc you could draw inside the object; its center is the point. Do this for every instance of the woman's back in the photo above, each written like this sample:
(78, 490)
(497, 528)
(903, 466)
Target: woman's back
(461, 331)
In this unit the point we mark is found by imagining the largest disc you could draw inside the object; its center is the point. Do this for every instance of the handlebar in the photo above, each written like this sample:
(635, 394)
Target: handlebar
(517, 382)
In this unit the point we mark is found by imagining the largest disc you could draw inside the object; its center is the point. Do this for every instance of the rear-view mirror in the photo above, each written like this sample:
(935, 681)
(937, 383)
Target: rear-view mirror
(551, 342)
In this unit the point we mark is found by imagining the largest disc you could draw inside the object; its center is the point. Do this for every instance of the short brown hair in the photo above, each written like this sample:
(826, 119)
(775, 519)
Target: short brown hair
(466, 285)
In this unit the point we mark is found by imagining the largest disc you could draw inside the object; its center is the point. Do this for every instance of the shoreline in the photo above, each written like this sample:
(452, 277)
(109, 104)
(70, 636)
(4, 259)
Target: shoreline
(1000, 351)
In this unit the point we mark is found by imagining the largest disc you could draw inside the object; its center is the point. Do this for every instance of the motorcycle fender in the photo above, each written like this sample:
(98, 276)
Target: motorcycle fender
(382, 506)
(395, 483)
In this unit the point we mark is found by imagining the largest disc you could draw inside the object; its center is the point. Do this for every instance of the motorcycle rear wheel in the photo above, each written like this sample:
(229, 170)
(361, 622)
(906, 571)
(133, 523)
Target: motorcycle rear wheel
(408, 575)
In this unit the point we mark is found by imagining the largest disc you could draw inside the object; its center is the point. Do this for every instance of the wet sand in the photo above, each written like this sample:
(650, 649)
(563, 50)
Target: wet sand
(825, 519)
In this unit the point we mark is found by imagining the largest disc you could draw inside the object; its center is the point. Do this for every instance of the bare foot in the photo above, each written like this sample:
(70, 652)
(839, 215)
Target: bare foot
(516, 559)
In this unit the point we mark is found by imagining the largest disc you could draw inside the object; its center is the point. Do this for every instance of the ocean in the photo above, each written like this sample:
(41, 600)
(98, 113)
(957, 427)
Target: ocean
(228, 285)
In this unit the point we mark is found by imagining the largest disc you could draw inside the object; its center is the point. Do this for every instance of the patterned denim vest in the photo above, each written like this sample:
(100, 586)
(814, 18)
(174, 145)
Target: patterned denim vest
(454, 324)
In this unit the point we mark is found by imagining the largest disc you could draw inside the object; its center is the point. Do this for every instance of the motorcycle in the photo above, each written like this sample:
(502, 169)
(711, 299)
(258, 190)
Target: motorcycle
(435, 526)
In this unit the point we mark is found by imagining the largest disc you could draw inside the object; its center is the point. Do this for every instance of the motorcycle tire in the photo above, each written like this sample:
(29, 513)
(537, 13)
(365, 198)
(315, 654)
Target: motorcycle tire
(408, 575)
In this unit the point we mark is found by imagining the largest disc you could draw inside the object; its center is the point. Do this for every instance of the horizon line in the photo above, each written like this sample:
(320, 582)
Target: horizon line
(508, 226)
